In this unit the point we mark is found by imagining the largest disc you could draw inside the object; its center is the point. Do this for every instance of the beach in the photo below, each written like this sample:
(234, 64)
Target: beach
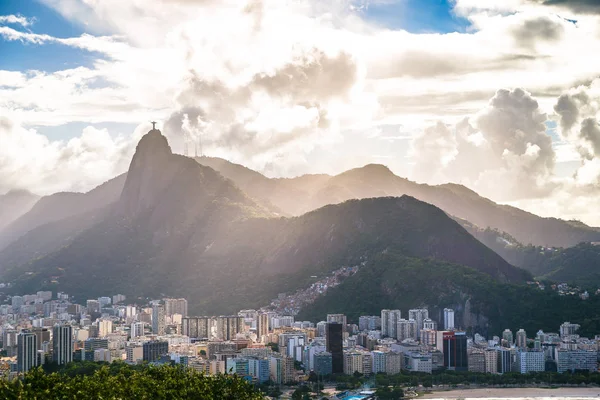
(513, 393)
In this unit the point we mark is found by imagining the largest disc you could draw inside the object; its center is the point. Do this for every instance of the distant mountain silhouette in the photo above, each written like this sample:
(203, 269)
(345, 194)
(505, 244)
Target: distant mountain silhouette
(298, 195)
(14, 204)
(180, 228)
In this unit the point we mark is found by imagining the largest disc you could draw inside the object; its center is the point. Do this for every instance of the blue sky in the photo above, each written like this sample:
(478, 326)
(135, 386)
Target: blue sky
(417, 16)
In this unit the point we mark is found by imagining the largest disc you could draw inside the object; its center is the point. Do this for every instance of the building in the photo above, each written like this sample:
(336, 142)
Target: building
(229, 326)
(105, 326)
(262, 326)
(379, 361)
(196, 327)
(455, 351)
(238, 366)
(430, 324)
(42, 335)
(137, 329)
(407, 329)
(369, 323)
(176, 306)
(26, 351)
(507, 338)
(418, 362)
(62, 344)
(419, 315)
(394, 362)
(258, 368)
(567, 329)
(154, 350)
(92, 306)
(505, 361)
(334, 341)
(530, 361)
(389, 322)
(135, 354)
(358, 361)
(93, 344)
(448, 319)
(322, 363)
(428, 337)
(476, 361)
(571, 360)
(521, 339)
(491, 361)
(339, 318)
(102, 355)
(281, 369)
(158, 319)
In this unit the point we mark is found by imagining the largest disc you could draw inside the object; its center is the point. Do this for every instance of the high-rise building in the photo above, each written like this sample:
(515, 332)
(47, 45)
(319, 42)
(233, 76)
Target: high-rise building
(430, 324)
(93, 344)
(176, 306)
(335, 345)
(476, 361)
(407, 329)
(258, 368)
(358, 361)
(105, 326)
(62, 344)
(521, 339)
(93, 306)
(389, 322)
(154, 350)
(322, 363)
(507, 338)
(571, 360)
(262, 326)
(135, 354)
(321, 328)
(158, 319)
(455, 351)
(42, 335)
(448, 319)
(339, 318)
(504, 360)
(530, 361)
(369, 323)
(491, 361)
(228, 326)
(104, 301)
(26, 351)
(394, 362)
(419, 315)
(567, 329)
(281, 369)
(196, 327)
(137, 329)
(428, 337)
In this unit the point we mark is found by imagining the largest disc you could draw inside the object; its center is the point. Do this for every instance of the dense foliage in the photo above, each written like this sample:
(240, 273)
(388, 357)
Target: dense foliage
(124, 382)
(483, 304)
(579, 264)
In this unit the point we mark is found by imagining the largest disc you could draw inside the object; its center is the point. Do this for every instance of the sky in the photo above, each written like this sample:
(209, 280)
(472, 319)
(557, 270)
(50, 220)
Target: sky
(500, 96)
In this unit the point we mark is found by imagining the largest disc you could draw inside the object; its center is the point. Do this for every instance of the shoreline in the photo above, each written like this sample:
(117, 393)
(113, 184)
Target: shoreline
(511, 393)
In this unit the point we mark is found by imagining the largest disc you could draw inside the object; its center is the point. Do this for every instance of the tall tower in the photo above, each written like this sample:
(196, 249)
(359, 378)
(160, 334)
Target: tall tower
(158, 319)
(448, 319)
(262, 326)
(389, 322)
(335, 345)
(521, 339)
(419, 315)
(26, 351)
(62, 344)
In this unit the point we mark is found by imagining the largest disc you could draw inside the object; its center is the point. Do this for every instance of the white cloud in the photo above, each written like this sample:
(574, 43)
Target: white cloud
(30, 160)
(16, 19)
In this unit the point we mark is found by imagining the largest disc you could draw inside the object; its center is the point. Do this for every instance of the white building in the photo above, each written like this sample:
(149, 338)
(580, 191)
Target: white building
(530, 361)
(448, 319)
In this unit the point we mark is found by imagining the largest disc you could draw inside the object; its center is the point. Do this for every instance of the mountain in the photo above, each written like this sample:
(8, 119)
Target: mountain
(579, 265)
(298, 195)
(180, 228)
(61, 206)
(397, 282)
(14, 204)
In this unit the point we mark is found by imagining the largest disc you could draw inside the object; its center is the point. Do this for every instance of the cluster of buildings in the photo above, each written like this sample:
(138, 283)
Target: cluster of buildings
(263, 345)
